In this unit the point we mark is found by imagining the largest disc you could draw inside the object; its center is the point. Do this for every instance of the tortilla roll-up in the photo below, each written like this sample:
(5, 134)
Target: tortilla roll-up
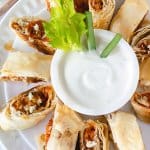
(102, 12)
(146, 20)
(65, 128)
(94, 136)
(141, 104)
(129, 17)
(29, 67)
(28, 108)
(125, 131)
(144, 80)
(141, 43)
(31, 30)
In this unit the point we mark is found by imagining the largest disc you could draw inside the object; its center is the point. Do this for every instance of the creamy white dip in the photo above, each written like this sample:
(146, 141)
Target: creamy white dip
(93, 85)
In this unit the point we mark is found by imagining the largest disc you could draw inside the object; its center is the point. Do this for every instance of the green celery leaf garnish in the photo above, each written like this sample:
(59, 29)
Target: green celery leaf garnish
(66, 27)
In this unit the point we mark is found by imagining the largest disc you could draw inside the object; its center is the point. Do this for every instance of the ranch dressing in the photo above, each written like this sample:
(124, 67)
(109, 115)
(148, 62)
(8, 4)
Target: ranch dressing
(92, 83)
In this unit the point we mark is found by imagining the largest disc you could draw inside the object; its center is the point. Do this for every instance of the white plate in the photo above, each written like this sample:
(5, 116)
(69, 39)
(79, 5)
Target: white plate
(26, 140)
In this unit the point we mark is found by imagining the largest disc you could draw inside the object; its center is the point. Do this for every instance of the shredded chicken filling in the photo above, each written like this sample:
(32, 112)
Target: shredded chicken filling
(33, 32)
(143, 100)
(33, 101)
(97, 5)
(16, 26)
(32, 29)
(89, 138)
(48, 131)
(45, 137)
(144, 45)
(142, 49)
(81, 5)
(36, 29)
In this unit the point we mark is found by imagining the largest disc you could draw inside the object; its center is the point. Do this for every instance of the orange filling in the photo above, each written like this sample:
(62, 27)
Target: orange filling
(89, 133)
(144, 45)
(34, 101)
(32, 29)
(88, 136)
(36, 29)
(81, 5)
(48, 131)
(97, 5)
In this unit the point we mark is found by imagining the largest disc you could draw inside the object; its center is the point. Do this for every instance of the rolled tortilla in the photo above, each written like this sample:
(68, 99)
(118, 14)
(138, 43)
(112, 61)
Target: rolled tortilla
(28, 108)
(31, 30)
(141, 42)
(102, 12)
(94, 136)
(26, 66)
(145, 73)
(129, 17)
(141, 104)
(125, 131)
(146, 20)
(65, 128)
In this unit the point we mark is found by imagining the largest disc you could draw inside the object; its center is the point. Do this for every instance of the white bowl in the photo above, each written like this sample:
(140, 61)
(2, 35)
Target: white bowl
(81, 98)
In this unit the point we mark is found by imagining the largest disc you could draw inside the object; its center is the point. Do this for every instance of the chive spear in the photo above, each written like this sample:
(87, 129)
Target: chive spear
(90, 33)
(113, 43)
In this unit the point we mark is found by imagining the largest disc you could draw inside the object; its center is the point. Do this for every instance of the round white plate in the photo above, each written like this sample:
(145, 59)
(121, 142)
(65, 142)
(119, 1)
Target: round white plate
(27, 139)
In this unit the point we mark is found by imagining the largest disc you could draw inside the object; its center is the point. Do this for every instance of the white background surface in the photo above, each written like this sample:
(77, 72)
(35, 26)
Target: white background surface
(26, 140)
